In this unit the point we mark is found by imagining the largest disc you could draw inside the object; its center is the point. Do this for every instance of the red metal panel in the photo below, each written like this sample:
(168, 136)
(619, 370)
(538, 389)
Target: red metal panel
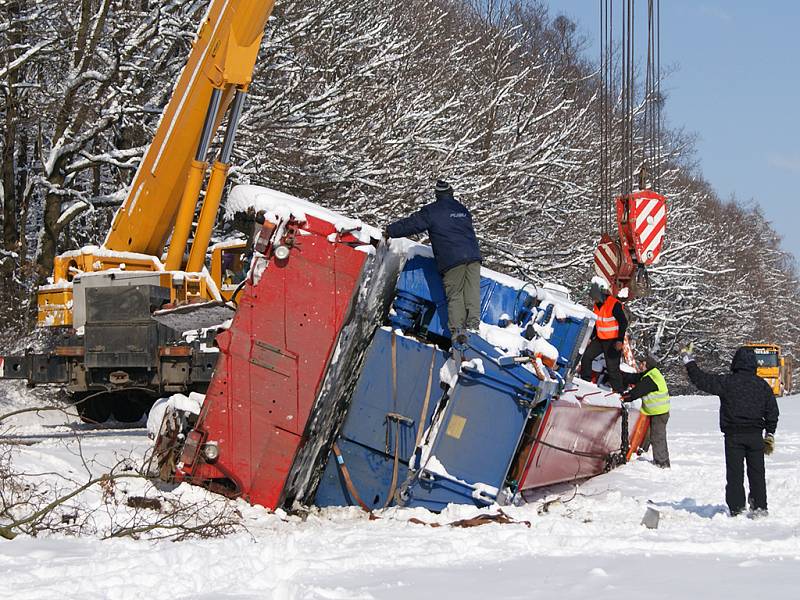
(274, 357)
(572, 428)
(606, 259)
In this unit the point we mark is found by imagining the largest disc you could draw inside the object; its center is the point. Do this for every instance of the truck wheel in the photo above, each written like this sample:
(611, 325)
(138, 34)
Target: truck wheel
(98, 409)
(128, 410)
(92, 409)
(79, 399)
(130, 406)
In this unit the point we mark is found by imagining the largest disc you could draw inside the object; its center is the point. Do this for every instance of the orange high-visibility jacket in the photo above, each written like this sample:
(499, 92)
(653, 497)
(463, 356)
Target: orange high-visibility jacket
(607, 325)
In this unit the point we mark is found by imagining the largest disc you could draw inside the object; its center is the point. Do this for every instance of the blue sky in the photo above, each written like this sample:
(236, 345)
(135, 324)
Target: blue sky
(735, 82)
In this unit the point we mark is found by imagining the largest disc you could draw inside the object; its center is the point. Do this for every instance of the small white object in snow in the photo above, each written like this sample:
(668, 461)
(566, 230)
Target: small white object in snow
(476, 364)
(448, 374)
(191, 403)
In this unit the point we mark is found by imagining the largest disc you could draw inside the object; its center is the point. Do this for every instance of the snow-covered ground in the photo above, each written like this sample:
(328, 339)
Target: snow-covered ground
(588, 545)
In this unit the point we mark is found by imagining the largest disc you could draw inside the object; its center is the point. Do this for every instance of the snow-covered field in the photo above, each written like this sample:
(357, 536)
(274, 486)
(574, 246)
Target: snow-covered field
(588, 545)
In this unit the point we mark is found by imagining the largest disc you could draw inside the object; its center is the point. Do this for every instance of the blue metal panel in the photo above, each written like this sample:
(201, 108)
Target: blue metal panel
(567, 335)
(483, 422)
(498, 299)
(421, 306)
(367, 438)
(483, 419)
(420, 303)
(370, 470)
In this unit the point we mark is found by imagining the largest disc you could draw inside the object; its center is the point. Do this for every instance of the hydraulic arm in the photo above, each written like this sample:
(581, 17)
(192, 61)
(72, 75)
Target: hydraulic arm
(162, 199)
(166, 188)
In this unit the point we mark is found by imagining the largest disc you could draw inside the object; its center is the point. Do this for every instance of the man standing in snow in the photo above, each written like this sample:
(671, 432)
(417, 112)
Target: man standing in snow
(651, 387)
(608, 337)
(458, 257)
(747, 408)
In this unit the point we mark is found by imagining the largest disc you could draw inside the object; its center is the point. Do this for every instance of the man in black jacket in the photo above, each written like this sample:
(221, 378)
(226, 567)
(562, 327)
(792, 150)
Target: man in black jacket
(747, 408)
(458, 256)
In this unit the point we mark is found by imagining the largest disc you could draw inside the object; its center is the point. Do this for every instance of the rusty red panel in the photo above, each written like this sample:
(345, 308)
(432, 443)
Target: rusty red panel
(273, 359)
(573, 440)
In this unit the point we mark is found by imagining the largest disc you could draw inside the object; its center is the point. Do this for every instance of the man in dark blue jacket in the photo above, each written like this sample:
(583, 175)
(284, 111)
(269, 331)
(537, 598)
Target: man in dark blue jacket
(458, 257)
(747, 407)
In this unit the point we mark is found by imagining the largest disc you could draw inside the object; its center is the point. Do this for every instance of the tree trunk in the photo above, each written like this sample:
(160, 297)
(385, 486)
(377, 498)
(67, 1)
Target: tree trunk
(48, 245)
(10, 203)
(25, 193)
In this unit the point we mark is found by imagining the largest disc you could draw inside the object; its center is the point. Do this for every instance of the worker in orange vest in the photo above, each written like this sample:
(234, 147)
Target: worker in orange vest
(608, 336)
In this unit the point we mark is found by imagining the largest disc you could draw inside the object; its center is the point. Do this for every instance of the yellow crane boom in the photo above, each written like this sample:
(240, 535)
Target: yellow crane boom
(162, 199)
(220, 66)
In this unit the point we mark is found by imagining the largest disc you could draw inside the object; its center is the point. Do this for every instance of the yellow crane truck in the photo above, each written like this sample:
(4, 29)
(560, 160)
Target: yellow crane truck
(117, 344)
(774, 367)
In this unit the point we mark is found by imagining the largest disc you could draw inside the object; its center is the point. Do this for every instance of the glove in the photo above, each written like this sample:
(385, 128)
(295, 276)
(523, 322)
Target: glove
(386, 235)
(619, 345)
(769, 444)
(626, 397)
(687, 353)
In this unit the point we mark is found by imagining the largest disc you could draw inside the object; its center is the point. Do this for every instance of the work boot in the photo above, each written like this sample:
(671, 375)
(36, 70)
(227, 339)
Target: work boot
(735, 512)
(758, 513)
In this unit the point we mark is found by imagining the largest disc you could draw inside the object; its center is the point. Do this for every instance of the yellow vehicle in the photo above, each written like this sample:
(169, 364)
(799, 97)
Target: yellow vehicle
(121, 312)
(775, 368)
(163, 197)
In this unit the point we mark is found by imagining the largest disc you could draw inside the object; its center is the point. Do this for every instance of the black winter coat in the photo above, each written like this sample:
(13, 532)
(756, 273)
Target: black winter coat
(747, 403)
(642, 385)
(449, 227)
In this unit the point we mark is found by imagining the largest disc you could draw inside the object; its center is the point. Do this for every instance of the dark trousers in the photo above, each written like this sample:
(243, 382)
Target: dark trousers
(658, 439)
(595, 348)
(462, 286)
(741, 448)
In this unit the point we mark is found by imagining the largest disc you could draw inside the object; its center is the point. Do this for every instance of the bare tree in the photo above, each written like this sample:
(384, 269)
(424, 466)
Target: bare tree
(107, 500)
(360, 106)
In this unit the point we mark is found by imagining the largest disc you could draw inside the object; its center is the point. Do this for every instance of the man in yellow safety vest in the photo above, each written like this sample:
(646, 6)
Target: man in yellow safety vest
(650, 386)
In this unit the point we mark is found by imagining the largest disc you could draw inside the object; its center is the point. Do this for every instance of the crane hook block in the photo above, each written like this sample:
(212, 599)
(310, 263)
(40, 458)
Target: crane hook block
(642, 220)
(621, 261)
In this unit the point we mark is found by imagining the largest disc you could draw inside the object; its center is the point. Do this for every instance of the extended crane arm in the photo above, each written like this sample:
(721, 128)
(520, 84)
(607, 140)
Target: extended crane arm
(163, 196)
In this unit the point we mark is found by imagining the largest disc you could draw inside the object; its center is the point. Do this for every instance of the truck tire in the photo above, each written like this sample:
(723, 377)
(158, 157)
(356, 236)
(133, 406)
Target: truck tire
(130, 407)
(92, 407)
